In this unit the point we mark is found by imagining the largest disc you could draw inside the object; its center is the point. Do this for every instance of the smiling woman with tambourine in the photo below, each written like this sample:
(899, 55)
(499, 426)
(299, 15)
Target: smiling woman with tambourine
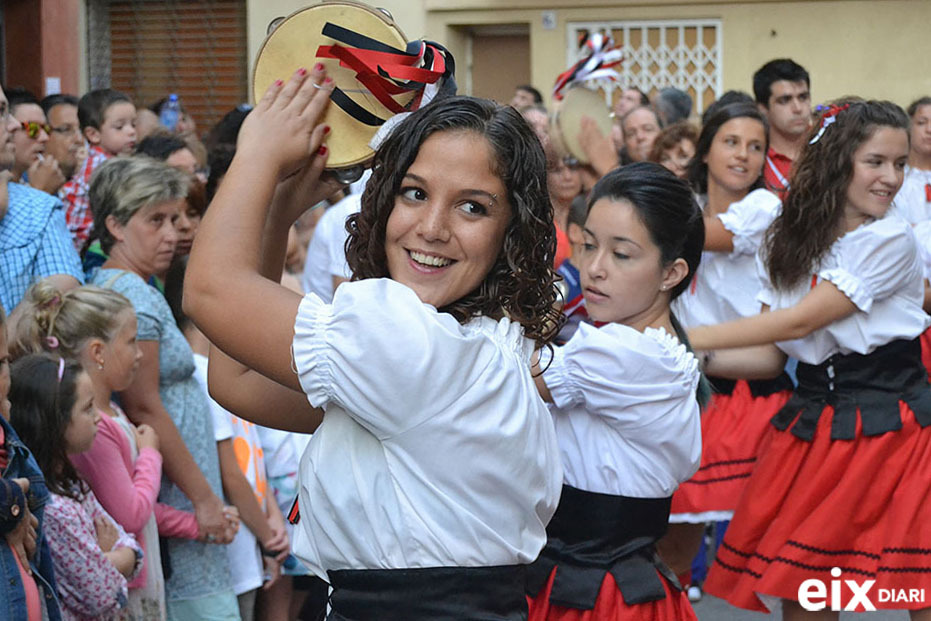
(433, 467)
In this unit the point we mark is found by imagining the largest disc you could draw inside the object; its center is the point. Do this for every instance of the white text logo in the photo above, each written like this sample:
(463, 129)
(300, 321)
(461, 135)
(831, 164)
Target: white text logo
(814, 595)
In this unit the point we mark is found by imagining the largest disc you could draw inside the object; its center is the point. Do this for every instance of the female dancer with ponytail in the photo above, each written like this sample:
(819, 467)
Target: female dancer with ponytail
(840, 491)
(624, 405)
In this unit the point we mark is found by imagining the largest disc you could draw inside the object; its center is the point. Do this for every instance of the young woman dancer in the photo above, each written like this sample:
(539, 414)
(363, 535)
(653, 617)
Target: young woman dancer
(625, 407)
(913, 201)
(726, 174)
(428, 484)
(840, 491)
(52, 408)
(123, 466)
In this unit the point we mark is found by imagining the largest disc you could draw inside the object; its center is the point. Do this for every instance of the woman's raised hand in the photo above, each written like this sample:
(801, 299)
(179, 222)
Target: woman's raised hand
(284, 129)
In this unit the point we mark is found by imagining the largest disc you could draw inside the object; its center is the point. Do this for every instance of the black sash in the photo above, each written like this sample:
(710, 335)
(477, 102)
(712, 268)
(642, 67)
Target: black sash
(871, 384)
(429, 594)
(758, 388)
(593, 534)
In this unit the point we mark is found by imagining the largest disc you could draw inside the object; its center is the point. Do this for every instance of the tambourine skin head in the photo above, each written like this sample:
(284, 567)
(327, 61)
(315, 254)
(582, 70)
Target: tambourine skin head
(566, 124)
(293, 44)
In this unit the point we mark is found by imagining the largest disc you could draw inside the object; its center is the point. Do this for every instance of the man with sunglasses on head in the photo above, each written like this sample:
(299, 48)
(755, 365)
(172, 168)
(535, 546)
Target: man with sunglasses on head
(65, 142)
(31, 164)
(34, 241)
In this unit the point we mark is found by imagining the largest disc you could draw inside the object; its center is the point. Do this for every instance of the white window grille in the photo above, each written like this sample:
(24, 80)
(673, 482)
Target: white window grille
(685, 54)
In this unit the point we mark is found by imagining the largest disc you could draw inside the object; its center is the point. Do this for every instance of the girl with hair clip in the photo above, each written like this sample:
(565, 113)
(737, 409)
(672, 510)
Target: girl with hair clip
(840, 491)
(726, 175)
(52, 408)
(427, 486)
(123, 466)
(625, 405)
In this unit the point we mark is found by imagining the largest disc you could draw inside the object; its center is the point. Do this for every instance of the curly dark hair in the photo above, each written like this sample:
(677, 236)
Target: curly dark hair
(811, 213)
(698, 169)
(521, 283)
(670, 138)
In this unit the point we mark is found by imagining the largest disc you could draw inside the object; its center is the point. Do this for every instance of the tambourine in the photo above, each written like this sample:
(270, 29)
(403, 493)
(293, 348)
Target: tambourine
(376, 72)
(566, 122)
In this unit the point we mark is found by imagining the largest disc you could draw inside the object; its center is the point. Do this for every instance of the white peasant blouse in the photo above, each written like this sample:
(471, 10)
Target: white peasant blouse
(435, 448)
(725, 285)
(878, 267)
(626, 414)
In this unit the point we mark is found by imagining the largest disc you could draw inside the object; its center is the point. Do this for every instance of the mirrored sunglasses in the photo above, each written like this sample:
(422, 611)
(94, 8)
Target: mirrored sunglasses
(32, 128)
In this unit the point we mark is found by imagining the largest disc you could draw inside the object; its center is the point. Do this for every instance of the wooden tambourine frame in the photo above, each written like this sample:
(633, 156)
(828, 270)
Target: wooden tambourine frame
(293, 44)
(566, 123)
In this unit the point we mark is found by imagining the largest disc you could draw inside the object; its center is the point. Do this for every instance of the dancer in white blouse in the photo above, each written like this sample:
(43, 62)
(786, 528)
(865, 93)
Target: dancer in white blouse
(727, 175)
(427, 486)
(842, 481)
(913, 201)
(625, 407)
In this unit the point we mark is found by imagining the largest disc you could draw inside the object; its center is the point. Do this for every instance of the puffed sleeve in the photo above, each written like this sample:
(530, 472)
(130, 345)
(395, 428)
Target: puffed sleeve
(609, 370)
(874, 261)
(389, 360)
(749, 218)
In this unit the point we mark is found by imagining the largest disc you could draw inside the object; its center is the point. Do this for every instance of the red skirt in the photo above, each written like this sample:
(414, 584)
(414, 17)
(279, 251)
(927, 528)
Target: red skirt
(610, 605)
(860, 505)
(732, 426)
(925, 339)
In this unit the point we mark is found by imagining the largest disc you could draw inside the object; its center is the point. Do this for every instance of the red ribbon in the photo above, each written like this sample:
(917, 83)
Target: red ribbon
(385, 74)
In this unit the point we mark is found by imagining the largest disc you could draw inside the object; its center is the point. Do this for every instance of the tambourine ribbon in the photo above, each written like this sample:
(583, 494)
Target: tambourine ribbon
(602, 55)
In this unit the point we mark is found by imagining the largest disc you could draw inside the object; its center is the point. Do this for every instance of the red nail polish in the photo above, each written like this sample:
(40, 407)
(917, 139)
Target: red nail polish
(278, 82)
(322, 150)
(302, 71)
(328, 81)
(318, 67)
(326, 130)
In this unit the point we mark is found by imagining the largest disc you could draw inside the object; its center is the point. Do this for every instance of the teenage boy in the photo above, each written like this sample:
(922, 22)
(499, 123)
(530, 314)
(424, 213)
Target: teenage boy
(783, 93)
(108, 123)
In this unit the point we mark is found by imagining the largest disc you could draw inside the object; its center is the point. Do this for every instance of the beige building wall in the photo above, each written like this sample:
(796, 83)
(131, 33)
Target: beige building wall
(877, 49)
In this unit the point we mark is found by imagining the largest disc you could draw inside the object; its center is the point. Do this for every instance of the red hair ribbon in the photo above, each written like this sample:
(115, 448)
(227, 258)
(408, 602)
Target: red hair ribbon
(828, 116)
(385, 71)
(602, 54)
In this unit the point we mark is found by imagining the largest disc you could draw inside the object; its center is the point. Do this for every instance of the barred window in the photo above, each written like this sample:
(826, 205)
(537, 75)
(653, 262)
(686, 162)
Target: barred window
(685, 54)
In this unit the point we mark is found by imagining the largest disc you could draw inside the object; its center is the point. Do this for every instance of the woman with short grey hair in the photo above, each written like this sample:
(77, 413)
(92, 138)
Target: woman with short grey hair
(135, 202)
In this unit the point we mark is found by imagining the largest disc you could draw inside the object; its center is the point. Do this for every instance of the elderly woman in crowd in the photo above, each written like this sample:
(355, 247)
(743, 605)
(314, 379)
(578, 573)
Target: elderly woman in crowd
(135, 202)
